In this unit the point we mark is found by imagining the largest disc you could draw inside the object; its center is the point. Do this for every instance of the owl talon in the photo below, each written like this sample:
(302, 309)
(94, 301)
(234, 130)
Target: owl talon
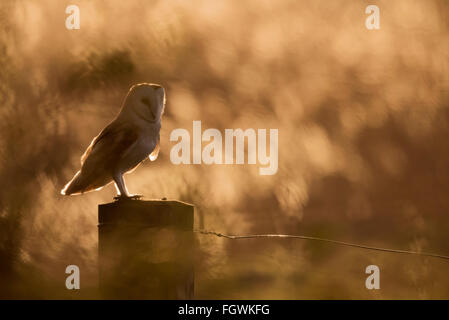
(130, 197)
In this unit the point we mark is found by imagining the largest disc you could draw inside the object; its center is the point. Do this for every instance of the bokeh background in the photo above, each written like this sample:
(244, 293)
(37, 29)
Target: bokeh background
(363, 119)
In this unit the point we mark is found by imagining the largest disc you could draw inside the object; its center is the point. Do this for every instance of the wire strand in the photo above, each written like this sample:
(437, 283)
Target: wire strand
(341, 243)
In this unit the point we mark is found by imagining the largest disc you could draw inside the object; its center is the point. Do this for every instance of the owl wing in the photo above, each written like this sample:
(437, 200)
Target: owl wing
(102, 158)
(155, 153)
(110, 146)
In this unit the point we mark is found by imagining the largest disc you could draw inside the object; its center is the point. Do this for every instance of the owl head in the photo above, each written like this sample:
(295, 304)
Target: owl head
(145, 101)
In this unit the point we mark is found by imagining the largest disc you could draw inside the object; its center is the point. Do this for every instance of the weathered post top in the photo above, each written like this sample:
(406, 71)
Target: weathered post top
(151, 213)
(146, 249)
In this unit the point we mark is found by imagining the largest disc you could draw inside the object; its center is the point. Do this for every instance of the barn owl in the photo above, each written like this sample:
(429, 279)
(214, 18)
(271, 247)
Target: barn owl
(128, 140)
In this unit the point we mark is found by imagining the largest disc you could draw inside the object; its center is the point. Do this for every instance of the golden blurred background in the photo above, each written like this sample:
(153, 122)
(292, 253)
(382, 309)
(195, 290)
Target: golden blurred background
(363, 119)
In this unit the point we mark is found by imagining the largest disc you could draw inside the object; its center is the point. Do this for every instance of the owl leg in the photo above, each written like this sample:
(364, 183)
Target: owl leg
(120, 185)
(122, 191)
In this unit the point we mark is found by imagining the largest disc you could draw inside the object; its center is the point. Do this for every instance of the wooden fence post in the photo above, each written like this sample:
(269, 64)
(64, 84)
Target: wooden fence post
(146, 249)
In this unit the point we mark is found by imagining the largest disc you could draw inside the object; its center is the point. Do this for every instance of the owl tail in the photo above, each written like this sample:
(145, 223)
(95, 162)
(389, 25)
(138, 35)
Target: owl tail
(74, 186)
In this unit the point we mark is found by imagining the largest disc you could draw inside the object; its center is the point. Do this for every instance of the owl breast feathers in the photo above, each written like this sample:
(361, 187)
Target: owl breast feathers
(120, 147)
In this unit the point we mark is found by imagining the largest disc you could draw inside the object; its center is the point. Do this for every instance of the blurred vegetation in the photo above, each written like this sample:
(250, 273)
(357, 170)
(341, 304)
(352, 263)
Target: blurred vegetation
(98, 70)
(363, 119)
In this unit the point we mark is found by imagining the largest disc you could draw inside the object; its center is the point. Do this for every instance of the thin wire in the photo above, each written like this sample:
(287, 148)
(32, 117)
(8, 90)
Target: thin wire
(342, 243)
